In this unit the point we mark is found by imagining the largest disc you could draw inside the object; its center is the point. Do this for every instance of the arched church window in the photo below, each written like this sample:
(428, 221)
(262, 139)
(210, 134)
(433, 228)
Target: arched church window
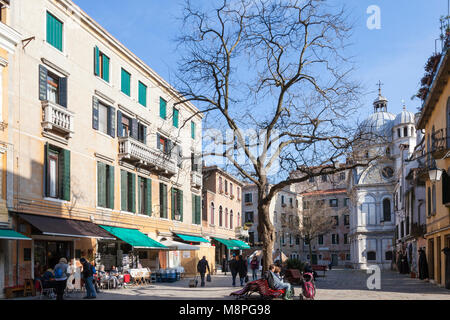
(399, 133)
(405, 131)
(386, 210)
(371, 255)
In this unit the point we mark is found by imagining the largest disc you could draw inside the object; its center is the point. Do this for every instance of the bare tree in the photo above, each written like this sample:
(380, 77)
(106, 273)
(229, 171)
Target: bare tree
(277, 69)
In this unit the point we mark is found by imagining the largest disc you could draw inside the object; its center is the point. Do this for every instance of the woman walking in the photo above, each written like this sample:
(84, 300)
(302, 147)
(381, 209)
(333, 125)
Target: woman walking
(254, 265)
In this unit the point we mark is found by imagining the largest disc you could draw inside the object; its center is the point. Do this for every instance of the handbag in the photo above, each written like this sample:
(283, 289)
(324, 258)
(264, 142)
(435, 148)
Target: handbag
(208, 277)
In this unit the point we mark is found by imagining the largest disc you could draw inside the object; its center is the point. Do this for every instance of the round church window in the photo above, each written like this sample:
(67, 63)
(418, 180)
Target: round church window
(387, 172)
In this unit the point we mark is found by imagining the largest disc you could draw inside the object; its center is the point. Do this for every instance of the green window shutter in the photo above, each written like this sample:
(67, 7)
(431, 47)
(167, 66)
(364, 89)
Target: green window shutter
(101, 185)
(175, 117)
(110, 185)
(96, 61)
(197, 212)
(64, 158)
(142, 94)
(180, 201)
(193, 130)
(162, 108)
(173, 199)
(124, 190)
(148, 195)
(126, 82)
(194, 216)
(164, 197)
(132, 195)
(105, 68)
(140, 195)
(54, 31)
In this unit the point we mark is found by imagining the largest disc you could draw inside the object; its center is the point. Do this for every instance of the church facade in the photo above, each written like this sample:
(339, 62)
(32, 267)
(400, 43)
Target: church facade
(371, 188)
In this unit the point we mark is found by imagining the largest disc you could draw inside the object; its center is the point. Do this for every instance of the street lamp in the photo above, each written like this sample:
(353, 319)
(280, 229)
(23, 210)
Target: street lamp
(435, 174)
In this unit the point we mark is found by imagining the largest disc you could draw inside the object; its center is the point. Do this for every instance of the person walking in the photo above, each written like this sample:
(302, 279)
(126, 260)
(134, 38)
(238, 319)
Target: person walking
(254, 265)
(201, 268)
(234, 269)
(242, 269)
(88, 277)
(224, 265)
(61, 274)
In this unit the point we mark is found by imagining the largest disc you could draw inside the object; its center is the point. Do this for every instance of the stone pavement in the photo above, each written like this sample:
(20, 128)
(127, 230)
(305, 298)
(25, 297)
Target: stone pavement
(339, 284)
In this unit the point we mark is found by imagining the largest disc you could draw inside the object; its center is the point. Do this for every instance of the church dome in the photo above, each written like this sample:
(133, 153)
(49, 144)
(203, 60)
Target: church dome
(380, 123)
(405, 117)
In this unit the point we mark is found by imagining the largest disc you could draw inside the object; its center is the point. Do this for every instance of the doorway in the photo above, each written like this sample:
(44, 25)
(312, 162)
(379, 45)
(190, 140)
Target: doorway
(438, 260)
(431, 258)
(334, 260)
(314, 259)
(48, 253)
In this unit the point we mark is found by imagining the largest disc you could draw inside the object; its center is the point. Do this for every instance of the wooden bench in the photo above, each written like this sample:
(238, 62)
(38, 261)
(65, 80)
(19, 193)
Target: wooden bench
(320, 268)
(293, 276)
(10, 292)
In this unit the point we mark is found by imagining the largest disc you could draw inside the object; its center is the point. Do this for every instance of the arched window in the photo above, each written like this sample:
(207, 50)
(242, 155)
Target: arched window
(433, 199)
(405, 131)
(226, 218)
(386, 210)
(231, 219)
(239, 219)
(399, 133)
(220, 216)
(212, 213)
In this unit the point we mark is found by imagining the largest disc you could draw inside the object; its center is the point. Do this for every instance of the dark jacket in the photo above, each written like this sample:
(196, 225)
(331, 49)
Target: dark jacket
(87, 270)
(242, 268)
(202, 266)
(233, 266)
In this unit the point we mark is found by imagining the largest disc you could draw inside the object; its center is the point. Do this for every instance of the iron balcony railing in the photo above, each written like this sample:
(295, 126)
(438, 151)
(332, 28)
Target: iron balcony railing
(440, 142)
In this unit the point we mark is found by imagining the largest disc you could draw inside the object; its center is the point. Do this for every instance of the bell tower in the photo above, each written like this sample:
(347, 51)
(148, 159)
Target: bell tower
(380, 104)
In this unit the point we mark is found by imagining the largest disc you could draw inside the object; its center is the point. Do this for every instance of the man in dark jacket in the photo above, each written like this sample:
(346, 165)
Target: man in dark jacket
(88, 277)
(234, 269)
(201, 268)
(242, 269)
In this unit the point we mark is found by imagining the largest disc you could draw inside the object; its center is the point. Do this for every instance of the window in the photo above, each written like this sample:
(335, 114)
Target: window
(305, 204)
(386, 210)
(175, 117)
(105, 185)
(429, 202)
(291, 203)
(231, 189)
(101, 64)
(126, 82)
(249, 216)
(145, 196)
(399, 133)
(193, 130)
(388, 255)
(405, 131)
(334, 239)
(103, 118)
(220, 185)
(320, 239)
(231, 219)
(297, 240)
(324, 178)
(248, 198)
(162, 108)
(226, 217)
(336, 220)
(371, 256)
(54, 31)
(57, 173)
(311, 179)
(211, 220)
(142, 90)
(347, 257)
(128, 191)
(238, 193)
(345, 238)
(346, 220)
(196, 210)
(342, 176)
(164, 144)
(142, 133)
(346, 202)
(433, 199)
(177, 204)
(334, 203)
(52, 87)
(163, 201)
(220, 216)
(226, 187)
(282, 199)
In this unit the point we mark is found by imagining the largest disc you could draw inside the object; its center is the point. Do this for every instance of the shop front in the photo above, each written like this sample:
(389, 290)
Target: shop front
(53, 239)
(6, 236)
(132, 250)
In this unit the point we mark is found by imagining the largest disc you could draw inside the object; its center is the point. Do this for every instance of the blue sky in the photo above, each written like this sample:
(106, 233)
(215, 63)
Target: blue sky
(394, 54)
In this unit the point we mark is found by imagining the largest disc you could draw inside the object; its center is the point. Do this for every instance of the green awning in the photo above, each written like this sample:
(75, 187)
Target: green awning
(12, 235)
(135, 238)
(228, 243)
(191, 238)
(241, 244)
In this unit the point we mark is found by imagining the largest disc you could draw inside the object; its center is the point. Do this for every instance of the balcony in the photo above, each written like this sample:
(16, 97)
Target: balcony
(440, 145)
(133, 151)
(196, 179)
(57, 119)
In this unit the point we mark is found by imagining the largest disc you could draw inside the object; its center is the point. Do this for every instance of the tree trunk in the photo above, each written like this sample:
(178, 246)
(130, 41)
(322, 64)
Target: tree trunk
(265, 230)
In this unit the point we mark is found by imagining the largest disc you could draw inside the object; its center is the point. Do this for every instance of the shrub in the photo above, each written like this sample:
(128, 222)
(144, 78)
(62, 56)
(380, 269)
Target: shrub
(295, 264)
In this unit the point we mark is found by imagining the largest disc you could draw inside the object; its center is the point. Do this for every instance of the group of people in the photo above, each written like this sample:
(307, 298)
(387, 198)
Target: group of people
(57, 277)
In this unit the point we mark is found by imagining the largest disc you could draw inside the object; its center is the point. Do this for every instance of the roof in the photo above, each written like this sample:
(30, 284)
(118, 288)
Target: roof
(405, 117)
(380, 123)
(223, 172)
